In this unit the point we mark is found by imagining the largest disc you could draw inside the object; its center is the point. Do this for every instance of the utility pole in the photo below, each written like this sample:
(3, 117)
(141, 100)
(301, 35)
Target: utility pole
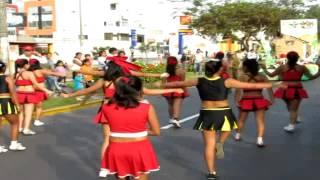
(81, 30)
(4, 43)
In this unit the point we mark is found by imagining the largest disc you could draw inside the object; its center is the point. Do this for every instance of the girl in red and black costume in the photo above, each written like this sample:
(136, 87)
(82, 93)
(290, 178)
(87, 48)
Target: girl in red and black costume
(175, 99)
(131, 121)
(40, 75)
(225, 65)
(252, 100)
(27, 85)
(110, 74)
(9, 107)
(215, 115)
(291, 73)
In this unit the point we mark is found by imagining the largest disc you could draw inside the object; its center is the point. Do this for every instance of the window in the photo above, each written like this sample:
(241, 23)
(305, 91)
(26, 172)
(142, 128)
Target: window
(105, 23)
(123, 37)
(40, 17)
(140, 38)
(118, 23)
(113, 6)
(108, 36)
(84, 37)
(124, 22)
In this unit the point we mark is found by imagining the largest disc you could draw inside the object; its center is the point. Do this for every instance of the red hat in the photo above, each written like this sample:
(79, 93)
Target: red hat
(126, 66)
(172, 60)
(33, 61)
(28, 48)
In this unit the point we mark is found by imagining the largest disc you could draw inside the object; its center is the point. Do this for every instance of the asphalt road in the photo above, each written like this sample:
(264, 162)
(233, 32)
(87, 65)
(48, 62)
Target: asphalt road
(67, 148)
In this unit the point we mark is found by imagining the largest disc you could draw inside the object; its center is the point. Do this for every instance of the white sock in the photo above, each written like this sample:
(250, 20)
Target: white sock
(14, 142)
(291, 125)
(259, 140)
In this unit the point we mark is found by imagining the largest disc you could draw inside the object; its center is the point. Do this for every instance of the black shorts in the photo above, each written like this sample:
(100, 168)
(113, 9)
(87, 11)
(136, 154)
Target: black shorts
(216, 119)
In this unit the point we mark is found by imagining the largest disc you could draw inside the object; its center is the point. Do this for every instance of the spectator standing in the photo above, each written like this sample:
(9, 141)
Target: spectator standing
(87, 68)
(198, 61)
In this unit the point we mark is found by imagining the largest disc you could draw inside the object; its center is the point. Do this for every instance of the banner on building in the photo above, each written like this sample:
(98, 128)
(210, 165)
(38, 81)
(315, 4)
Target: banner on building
(133, 38)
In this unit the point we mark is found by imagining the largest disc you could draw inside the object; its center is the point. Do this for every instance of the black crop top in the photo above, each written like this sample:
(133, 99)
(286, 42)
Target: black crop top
(3, 84)
(212, 89)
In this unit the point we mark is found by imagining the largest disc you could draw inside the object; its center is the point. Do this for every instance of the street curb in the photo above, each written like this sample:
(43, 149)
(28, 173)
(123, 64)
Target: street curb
(69, 108)
(63, 109)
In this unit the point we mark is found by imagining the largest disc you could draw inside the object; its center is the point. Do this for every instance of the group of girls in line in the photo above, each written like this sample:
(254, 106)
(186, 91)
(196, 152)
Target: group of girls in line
(128, 119)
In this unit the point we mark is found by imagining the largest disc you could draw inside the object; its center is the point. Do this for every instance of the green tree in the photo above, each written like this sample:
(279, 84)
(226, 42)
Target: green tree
(245, 18)
(145, 48)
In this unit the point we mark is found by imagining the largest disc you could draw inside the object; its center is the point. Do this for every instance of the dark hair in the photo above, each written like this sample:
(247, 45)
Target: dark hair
(85, 61)
(77, 54)
(100, 52)
(172, 63)
(112, 71)
(293, 58)
(212, 67)
(3, 67)
(57, 63)
(86, 55)
(219, 55)
(111, 50)
(251, 66)
(20, 63)
(121, 52)
(34, 65)
(128, 92)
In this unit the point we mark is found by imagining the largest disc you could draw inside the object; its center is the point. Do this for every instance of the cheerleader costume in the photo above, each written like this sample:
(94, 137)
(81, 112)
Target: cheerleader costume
(174, 94)
(253, 103)
(7, 107)
(42, 96)
(26, 97)
(214, 119)
(108, 94)
(294, 90)
(129, 158)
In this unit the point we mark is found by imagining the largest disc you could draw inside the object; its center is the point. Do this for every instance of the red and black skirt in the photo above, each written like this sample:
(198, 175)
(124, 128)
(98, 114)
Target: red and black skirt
(292, 92)
(27, 97)
(7, 107)
(253, 103)
(176, 95)
(42, 96)
(99, 118)
(141, 159)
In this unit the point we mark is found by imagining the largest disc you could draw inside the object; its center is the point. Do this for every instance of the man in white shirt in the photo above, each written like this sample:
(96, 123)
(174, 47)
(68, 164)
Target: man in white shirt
(102, 59)
(198, 62)
(28, 53)
(252, 55)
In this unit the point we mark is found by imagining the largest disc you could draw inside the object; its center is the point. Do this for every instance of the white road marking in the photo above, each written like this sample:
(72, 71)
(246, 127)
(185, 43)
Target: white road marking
(181, 121)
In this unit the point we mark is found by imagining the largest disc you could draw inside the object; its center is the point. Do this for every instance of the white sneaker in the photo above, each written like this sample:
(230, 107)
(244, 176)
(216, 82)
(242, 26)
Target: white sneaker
(290, 128)
(20, 130)
(28, 132)
(174, 122)
(103, 173)
(17, 147)
(3, 149)
(38, 123)
(237, 137)
(260, 142)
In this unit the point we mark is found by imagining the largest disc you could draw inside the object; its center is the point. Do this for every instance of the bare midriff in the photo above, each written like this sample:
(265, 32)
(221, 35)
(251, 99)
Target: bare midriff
(118, 139)
(214, 104)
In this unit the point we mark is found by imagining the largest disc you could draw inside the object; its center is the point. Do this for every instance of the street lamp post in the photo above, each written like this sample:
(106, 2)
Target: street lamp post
(80, 20)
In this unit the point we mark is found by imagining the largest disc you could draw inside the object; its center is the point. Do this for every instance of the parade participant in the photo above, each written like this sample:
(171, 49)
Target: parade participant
(175, 99)
(40, 75)
(9, 107)
(225, 64)
(111, 73)
(26, 83)
(215, 115)
(252, 100)
(128, 117)
(291, 73)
